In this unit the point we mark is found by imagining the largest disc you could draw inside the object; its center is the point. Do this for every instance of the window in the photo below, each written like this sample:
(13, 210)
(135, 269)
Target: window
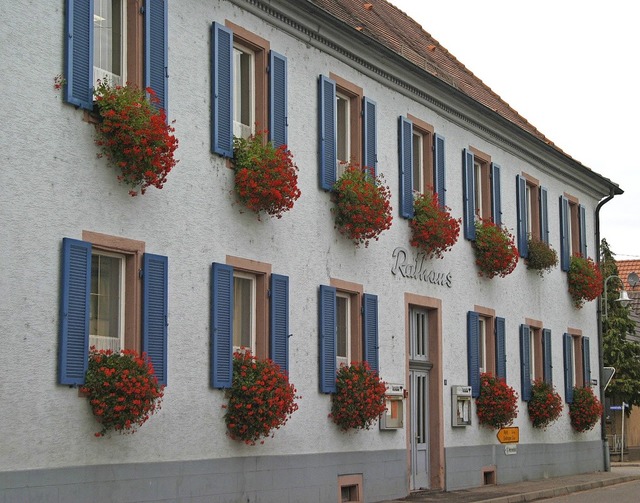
(485, 346)
(535, 355)
(573, 230)
(114, 296)
(129, 45)
(350, 489)
(347, 131)
(249, 308)
(244, 311)
(109, 41)
(577, 362)
(107, 301)
(533, 216)
(344, 311)
(422, 165)
(248, 88)
(481, 190)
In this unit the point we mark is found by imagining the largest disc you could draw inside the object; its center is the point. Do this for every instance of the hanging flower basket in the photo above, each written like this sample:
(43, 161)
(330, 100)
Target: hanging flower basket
(266, 178)
(134, 136)
(122, 389)
(359, 398)
(362, 205)
(542, 258)
(585, 280)
(545, 405)
(585, 410)
(261, 399)
(496, 406)
(496, 252)
(433, 230)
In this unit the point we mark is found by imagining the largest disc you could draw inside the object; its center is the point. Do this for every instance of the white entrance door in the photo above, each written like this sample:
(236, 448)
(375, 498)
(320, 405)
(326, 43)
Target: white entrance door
(419, 429)
(419, 366)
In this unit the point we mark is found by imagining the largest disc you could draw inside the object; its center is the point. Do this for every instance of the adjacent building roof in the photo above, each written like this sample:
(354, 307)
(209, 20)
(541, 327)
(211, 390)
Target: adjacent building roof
(626, 267)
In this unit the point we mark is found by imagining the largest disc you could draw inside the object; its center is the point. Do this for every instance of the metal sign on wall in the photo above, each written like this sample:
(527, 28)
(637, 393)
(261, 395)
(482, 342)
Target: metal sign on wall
(414, 268)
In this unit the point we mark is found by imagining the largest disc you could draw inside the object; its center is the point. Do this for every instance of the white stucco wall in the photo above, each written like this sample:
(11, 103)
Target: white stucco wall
(53, 186)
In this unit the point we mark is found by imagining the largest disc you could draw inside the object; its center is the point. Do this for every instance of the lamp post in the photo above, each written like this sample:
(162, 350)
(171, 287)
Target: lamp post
(624, 296)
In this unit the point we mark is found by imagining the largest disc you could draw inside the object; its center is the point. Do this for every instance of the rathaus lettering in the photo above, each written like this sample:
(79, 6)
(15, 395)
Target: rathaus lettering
(415, 269)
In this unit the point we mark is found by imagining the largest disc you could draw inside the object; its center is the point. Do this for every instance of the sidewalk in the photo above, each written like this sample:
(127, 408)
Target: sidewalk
(532, 490)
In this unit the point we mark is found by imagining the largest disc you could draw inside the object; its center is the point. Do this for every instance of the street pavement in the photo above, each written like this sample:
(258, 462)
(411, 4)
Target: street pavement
(532, 490)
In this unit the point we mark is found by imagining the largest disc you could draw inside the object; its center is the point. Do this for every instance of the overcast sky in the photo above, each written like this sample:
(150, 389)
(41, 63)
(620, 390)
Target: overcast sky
(569, 67)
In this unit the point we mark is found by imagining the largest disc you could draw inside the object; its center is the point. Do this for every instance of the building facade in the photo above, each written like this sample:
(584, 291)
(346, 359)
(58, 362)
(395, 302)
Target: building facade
(334, 81)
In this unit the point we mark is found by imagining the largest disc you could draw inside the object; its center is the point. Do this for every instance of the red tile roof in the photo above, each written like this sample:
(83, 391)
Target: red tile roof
(625, 267)
(394, 29)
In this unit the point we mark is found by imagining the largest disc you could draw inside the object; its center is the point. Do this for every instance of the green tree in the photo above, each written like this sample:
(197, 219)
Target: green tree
(618, 352)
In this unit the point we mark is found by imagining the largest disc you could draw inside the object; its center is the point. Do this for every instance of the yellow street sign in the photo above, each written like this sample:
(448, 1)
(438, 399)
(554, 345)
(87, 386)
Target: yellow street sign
(510, 435)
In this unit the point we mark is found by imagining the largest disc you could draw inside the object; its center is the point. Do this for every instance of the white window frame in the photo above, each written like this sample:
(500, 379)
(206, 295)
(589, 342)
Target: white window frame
(343, 131)
(482, 343)
(104, 341)
(418, 161)
(240, 129)
(252, 309)
(105, 74)
(529, 209)
(478, 185)
(419, 334)
(343, 359)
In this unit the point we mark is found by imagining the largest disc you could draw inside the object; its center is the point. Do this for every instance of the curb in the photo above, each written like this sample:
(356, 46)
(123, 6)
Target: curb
(560, 491)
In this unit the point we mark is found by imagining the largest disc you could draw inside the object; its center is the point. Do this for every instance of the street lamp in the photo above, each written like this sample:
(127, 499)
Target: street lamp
(624, 296)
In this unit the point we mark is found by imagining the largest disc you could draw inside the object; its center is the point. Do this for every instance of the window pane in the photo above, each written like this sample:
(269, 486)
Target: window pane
(529, 209)
(482, 343)
(243, 312)
(477, 173)
(109, 41)
(344, 154)
(343, 328)
(105, 303)
(418, 171)
(244, 89)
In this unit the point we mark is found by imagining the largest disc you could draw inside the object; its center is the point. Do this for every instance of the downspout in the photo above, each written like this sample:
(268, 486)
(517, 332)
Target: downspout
(603, 428)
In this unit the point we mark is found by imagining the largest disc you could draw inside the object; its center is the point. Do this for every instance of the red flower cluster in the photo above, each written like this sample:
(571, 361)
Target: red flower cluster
(359, 398)
(496, 252)
(497, 404)
(585, 410)
(122, 389)
(266, 178)
(545, 405)
(260, 399)
(585, 280)
(363, 207)
(134, 136)
(433, 229)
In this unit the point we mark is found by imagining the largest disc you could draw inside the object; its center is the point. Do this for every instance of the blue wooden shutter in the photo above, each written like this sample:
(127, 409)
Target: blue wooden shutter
(74, 311)
(525, 362)
(370, 327)
(496, 198)
(586, 362)
(327, 130)
(277, 99)
(370, 140)
(280, 320)
(405, 155)
(221, 90)
(501, 349)
(473, 352)
(522, 209)
(567, 344)
(468, 191)
(582, 223)
(156, 61)
(155, 270)
(565, 257)
(546, 352)
(439, 169)
(221, 326)
(327, 338)
(78, 64)
(544, 215)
